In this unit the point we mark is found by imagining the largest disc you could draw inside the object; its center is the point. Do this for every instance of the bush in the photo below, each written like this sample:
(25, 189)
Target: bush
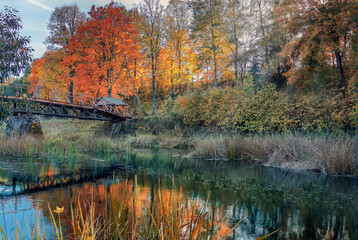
(242, 109)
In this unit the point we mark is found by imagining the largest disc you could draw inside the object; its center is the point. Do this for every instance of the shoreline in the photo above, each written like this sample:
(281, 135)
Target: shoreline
(333, 155)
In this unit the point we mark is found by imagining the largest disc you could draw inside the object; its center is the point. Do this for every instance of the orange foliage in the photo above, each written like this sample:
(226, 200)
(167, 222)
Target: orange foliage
(47, 71)
(103, 48)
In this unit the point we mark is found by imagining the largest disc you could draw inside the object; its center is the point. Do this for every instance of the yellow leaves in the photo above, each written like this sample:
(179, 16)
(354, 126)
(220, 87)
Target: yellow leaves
(58, 210)
(266, 110)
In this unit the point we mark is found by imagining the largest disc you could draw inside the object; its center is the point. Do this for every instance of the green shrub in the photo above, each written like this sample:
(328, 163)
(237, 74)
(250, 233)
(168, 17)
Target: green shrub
(242, 109)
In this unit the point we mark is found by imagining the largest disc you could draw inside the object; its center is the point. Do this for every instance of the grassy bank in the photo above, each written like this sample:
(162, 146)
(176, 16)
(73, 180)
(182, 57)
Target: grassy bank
(329, 154)
(63, 137)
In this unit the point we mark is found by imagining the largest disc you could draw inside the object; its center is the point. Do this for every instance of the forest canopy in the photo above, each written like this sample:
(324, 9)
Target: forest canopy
(152, 54)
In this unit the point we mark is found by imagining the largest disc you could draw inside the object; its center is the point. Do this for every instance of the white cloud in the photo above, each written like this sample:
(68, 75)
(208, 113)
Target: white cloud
(41, 5)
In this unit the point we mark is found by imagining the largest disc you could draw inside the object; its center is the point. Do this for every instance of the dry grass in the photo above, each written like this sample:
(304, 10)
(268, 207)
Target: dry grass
(211, 148)
(62, 137)
(337, 156)
(333, 155)
(73, 136)
(143, 141)
(25, 146)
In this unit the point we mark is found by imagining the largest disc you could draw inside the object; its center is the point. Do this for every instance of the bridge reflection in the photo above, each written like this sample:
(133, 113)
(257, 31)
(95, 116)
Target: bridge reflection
(47, 177)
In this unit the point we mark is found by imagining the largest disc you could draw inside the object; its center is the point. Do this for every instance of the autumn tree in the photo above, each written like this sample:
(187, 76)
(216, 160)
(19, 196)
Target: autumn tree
(151, 27)
(206, 31)
(14, 50)
(318, 27)
(263, 11)
(176, 34)
(48, 71)
(101, 50)
(36, 71)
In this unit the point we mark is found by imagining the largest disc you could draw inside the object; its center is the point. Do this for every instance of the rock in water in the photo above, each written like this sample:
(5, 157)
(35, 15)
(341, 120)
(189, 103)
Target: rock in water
(24, 124)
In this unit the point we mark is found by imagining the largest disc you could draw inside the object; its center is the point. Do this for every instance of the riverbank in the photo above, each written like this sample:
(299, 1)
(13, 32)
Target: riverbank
(329, 154)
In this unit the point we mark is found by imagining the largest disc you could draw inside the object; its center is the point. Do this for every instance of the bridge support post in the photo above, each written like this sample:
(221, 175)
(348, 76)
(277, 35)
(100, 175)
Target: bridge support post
(23, 124)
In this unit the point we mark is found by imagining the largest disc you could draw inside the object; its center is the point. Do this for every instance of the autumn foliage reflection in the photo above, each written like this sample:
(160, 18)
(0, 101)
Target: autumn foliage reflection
(125, 210)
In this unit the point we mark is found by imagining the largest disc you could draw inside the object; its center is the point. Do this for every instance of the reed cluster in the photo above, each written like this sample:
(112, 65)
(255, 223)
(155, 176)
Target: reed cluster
(124, 215)
(329, 154)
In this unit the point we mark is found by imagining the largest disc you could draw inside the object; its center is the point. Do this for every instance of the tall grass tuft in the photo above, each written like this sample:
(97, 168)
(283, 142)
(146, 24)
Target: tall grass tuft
(330, 155)
(123, 215)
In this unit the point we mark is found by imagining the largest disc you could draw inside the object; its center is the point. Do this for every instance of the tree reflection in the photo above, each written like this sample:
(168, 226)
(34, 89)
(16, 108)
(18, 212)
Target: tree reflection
(303, 206)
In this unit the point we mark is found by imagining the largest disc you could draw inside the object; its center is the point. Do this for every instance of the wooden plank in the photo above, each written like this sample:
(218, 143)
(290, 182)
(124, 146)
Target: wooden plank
(55, 104)
(48, 108)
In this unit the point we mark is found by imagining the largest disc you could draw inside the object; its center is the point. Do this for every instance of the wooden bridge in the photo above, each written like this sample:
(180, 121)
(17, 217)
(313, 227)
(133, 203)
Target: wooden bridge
(25, 99)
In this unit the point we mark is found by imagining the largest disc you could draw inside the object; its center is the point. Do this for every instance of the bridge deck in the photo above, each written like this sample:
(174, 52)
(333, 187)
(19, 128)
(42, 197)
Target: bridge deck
(60, 104)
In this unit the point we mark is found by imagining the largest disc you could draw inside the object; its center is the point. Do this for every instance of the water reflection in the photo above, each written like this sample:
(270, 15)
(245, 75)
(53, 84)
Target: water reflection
(304, 206)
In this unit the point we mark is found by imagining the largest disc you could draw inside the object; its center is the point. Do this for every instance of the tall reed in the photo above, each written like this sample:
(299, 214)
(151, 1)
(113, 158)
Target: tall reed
(328, 154)
(124, 215)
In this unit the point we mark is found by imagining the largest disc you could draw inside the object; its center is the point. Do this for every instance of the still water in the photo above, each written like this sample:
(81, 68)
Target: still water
(303, 205)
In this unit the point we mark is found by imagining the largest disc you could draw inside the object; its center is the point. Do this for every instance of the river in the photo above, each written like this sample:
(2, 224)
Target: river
(304, 205)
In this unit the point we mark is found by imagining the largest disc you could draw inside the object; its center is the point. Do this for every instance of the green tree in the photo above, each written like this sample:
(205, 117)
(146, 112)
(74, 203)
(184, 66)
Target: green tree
(206, 30)
(63, 25)
(14, 50)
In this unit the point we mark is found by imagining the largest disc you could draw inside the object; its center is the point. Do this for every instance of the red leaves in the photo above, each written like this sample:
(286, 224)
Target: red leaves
(103, 48)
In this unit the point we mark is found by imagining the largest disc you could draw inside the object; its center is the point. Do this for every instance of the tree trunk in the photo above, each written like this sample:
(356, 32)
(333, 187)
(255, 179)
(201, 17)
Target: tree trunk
(171, 77)
(153, 85)
(110, 81)
(214, 53)
(134, 106)
(70, 89)
(180, 67)
(110, 92)
(215, 67)
(236, 71)
(157, 100)
(340, 71)
(70, 86)
(263, 29)
(136, 94)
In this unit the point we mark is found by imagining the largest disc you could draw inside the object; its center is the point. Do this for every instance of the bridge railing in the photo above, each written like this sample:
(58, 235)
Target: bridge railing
(42, 93)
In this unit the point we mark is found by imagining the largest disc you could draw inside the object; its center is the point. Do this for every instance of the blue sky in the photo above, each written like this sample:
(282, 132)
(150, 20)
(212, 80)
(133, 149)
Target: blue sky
(35, 15)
